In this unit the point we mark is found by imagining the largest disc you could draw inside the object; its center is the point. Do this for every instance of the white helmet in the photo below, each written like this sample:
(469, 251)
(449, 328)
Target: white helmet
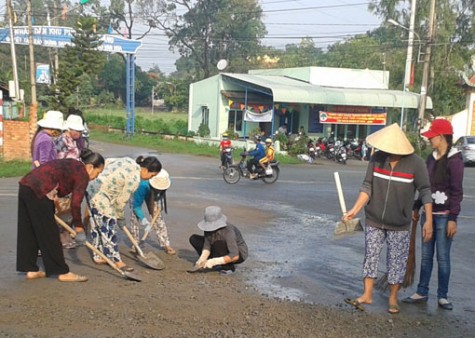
(268, 140)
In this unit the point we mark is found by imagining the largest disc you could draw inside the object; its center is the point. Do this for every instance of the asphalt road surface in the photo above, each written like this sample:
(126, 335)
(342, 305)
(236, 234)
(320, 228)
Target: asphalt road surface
(289, 230)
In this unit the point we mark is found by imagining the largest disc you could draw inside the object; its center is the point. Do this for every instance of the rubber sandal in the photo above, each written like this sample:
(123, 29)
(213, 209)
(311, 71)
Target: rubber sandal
(353, 302)
(99, 261)
(72, 277)
(393, 309)
(127, 268)
(30, 275)
(169, 250)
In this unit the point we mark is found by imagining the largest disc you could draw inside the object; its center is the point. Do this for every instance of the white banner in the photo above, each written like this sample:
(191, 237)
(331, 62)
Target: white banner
(265, 116)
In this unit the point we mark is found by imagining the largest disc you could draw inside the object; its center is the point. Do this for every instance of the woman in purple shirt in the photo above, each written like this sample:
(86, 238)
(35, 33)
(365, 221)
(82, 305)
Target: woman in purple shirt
(42, 148)
(445, 167)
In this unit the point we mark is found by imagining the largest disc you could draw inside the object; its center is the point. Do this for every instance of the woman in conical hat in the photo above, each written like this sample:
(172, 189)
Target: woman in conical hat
(387, 194)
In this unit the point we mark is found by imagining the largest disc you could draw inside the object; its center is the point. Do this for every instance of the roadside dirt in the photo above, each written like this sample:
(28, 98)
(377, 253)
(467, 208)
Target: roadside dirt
(173, 303)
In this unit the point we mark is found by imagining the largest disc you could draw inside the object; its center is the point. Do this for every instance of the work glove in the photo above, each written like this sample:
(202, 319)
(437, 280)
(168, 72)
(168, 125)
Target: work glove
(145, 222)
(200, 263)
(80, 237)
(210, 263)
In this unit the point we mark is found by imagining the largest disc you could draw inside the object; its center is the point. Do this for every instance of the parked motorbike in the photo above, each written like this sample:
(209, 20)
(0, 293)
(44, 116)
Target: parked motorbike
(329, 151)
(233, 173)
(340, 154)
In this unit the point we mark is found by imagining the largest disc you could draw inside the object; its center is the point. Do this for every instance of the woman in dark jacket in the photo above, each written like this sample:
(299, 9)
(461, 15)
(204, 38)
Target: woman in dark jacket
(445, 167)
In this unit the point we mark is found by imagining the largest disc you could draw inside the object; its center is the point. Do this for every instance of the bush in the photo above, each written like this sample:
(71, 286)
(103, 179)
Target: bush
(203, 130)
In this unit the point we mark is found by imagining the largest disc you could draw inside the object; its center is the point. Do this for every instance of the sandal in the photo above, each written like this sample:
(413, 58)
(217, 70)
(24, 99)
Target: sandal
(353, 302)
(72, 277)
(393, 309)
(30, 275)
(99, 261)
(125, 268)
(169, 250)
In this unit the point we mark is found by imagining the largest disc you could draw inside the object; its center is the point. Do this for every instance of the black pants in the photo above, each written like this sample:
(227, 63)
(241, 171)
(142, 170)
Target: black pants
(218, 249)
(253, 163)
(37, 230)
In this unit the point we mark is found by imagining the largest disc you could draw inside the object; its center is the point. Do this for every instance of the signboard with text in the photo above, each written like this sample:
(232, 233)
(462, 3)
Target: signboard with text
(344, 118)
(59, 37)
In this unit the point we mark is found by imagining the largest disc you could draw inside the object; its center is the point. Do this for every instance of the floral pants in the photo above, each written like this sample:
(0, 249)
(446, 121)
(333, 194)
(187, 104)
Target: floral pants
(159, 226)
(396, 257)
(104, 236)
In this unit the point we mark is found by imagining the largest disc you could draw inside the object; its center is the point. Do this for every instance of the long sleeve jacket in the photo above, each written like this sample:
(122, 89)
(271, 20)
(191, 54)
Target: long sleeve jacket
(391, 191)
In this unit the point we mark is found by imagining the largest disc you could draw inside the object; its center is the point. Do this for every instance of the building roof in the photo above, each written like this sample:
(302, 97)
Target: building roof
(284, 89)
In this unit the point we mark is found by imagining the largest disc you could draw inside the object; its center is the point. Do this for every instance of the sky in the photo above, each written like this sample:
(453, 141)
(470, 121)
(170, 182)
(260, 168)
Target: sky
(287, 22)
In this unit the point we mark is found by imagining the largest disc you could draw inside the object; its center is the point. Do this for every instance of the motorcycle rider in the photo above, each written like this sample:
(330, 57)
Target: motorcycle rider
(223, 145)
(258, 153)
(269, 157)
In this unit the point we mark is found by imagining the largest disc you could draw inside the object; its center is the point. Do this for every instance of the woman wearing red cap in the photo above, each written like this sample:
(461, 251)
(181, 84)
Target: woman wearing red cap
(445, 167)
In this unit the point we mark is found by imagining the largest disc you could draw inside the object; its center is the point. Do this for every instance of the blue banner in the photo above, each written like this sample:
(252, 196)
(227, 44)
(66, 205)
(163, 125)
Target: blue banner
(59, 37)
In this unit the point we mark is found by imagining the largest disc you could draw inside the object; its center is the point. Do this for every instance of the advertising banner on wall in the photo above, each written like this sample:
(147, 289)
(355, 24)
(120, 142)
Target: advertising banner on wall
(378, 119)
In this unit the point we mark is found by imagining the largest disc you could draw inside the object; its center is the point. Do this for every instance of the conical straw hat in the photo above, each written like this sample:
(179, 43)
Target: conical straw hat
(390, 139)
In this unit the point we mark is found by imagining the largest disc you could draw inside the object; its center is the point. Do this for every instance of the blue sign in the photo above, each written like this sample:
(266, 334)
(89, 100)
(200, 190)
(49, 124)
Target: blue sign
(59, 37)
(42, 73)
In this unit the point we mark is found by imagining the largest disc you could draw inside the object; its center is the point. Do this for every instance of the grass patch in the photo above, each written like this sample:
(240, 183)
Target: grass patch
(14, 168)
(139, 112)
(173, 146)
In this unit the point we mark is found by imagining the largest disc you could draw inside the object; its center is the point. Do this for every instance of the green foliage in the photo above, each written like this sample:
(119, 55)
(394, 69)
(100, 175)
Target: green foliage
(14, 168)
(78, 66)
(299, 146)
(282, 138)
(203, 130)
(232, 134)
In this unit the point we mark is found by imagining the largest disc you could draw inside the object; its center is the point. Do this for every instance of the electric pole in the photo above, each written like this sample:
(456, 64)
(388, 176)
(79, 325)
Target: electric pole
(34, 103)
(13, 51)
(425, 73)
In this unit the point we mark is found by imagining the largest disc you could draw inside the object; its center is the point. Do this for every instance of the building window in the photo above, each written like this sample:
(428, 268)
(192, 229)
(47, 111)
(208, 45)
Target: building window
(235, 120)
(205, 115)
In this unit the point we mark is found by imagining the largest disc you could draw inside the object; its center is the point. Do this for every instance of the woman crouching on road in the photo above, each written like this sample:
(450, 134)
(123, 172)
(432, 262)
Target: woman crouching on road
(37, 229)
(108, 195)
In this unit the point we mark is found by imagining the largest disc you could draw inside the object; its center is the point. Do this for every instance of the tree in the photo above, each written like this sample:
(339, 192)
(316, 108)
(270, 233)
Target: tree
(452, 42)
(209, 30)
(77, 60)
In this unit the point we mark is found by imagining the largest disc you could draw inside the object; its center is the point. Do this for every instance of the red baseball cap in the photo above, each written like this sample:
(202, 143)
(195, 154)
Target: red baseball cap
(439, 127)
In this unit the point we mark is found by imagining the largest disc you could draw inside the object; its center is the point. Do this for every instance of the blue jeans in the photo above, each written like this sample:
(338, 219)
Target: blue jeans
(442, 243)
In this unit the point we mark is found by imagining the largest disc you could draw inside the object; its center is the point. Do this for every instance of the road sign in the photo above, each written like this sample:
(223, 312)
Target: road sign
(59, 37)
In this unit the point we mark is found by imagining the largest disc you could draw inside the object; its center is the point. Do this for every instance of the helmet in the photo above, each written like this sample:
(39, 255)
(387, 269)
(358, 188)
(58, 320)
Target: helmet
(257, 138)
(268, 140)
(225, 134)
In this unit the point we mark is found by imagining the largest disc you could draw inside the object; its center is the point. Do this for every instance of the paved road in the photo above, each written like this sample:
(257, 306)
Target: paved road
(288, 226)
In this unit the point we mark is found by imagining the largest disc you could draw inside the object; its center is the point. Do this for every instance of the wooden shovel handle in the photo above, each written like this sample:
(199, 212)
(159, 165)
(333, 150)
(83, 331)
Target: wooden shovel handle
(134, 242)
(89, 245)
(339, 190)
(152, 222)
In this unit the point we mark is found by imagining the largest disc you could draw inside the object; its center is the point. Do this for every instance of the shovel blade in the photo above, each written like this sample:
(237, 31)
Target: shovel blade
(132, 276)
(349, 227)
(152, 261)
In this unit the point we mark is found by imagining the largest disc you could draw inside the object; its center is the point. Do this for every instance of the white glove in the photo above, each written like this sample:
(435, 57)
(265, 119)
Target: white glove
(145, 222)
(210, 263)
(202, 260)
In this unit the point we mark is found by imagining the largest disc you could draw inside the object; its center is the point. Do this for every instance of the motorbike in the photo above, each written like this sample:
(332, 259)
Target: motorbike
(330, 151)
(233, 173)
(228, 157)
(340, 154)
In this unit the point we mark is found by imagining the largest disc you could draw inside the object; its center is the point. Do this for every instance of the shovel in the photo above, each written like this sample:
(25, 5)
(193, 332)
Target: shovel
(125, 274)
(152, 222)
(348, 227)
(150, 259)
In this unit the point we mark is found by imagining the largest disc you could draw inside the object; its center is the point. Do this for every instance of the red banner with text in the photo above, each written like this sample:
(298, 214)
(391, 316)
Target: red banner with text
(378, 119)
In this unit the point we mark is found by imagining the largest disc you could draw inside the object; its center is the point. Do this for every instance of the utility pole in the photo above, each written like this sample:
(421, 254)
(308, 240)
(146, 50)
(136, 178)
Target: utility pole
(34, 103)
(425, 73)
(12, 49)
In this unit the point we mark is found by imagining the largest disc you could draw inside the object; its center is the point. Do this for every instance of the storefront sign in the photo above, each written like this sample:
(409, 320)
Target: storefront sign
(342, 118)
